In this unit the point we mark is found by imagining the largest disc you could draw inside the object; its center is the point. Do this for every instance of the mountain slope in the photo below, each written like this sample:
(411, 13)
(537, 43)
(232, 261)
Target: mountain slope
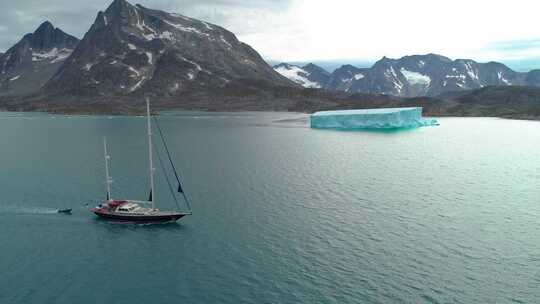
(132, 51)
(26, 66)
(308, 76)
(342, 78)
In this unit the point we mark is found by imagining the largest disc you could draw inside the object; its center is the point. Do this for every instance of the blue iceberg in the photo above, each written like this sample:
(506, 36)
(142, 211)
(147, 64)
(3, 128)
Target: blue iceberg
(371, 119)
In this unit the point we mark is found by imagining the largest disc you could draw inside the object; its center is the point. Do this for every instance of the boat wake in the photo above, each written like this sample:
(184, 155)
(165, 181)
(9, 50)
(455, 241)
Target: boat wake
(23, 210)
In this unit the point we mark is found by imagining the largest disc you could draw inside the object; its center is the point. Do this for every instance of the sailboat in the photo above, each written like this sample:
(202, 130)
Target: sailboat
(141, 211)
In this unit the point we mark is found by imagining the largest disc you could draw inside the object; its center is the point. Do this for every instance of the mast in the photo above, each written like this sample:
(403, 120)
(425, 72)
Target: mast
(151, 161)
(108, 178)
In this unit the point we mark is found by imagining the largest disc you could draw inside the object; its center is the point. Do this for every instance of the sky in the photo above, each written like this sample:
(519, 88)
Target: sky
(331, 32)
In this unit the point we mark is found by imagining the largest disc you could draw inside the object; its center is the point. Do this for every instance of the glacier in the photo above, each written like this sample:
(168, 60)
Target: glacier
(372, 119)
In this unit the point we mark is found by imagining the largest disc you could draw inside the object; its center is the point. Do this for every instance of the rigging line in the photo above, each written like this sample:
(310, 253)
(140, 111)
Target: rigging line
(188, 204)
(172, 164)
(166, 149)
(167, 178)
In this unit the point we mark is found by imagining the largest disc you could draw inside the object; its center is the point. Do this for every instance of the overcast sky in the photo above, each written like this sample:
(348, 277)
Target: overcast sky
(328, 30)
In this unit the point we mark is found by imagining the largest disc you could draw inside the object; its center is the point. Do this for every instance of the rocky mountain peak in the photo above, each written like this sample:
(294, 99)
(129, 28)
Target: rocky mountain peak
(118, 6)
(26, 66)
(313, 68)
(131, 49)
(44, 28)
(47, 37)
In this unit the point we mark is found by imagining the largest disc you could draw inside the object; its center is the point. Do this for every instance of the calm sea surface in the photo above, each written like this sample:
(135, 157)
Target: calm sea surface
(281, 213)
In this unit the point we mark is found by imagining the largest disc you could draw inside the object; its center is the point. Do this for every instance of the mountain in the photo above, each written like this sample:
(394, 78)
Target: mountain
(308, 76)
(432, 75)
(131, 51)
(342, 78)
(25, 67)
(423, 75)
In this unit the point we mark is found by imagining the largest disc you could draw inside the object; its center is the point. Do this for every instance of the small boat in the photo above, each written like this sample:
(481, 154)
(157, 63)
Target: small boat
(134, 210)
(66, 210)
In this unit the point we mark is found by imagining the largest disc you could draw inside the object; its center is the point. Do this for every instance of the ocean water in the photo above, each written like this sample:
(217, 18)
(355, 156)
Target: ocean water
(281, 213)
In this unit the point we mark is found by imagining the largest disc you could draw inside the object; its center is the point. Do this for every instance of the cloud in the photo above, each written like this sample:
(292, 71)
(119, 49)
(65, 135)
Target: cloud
(302, 30)
(373, 28)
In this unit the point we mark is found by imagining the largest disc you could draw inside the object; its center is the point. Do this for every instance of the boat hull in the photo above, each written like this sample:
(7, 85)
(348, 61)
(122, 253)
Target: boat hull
(158, 218)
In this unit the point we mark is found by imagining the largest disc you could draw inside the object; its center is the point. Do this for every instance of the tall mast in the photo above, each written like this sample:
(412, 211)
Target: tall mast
(151, 161)
(108, 180)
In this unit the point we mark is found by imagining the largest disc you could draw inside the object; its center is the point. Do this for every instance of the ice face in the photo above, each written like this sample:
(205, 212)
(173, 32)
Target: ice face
(390, 118)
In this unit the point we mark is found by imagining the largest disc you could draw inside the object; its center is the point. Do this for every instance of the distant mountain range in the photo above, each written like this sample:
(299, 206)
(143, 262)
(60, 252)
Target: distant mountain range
(411, 76)
(131, 51)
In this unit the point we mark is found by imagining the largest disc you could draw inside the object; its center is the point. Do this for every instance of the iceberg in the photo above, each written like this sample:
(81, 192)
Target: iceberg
(371, 119)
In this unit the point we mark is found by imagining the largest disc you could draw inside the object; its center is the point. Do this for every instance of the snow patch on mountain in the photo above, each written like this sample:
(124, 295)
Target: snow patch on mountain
(415, 77)
(87, 67)
(62, 55)
(185, 28)
(390, 72)
(141, 25)
(359, 76)
(461, 76)
(398, 85)
(137, 85)
(45, 56)
(208, 27)
(229, 45)
(54, 55)
(472, 73)
(297, 75)
(166, 35)
(501, 78)
(199, 68)
(134, 71)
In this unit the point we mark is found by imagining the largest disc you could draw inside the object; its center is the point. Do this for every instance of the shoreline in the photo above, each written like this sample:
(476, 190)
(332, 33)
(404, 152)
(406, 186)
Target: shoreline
(159, 112)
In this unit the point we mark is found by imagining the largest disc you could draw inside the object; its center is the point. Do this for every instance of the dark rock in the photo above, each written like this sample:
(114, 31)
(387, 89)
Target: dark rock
(26, 66)
(134, 51)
